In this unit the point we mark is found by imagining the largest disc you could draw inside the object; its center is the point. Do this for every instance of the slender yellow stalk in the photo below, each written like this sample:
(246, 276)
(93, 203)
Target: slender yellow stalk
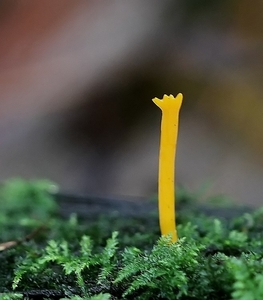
(170, 107)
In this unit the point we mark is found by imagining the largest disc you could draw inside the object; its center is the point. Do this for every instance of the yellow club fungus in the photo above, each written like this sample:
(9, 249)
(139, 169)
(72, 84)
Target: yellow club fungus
(170, 107)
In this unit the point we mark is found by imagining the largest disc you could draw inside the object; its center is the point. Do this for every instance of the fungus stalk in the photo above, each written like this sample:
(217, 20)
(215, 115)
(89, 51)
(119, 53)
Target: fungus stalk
(170, 107)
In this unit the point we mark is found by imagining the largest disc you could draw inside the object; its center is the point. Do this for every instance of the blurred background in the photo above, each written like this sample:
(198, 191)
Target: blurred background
(77, 79)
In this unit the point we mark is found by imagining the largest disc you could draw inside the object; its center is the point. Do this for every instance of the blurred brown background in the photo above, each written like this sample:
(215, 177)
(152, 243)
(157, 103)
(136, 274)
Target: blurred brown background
(77, 78)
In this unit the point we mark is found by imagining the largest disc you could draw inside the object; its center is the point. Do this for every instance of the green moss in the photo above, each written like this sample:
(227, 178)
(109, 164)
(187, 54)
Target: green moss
(217, 257)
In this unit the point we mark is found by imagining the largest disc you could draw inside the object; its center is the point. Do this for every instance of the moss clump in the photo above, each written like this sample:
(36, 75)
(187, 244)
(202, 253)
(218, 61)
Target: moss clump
(217, 257)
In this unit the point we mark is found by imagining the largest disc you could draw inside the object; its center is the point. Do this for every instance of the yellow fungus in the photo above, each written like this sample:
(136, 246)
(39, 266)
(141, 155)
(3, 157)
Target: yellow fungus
(170, 107)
